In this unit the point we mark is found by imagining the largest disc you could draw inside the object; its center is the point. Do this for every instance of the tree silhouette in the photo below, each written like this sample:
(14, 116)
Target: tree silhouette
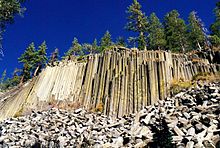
(162, 137)
(137, 22)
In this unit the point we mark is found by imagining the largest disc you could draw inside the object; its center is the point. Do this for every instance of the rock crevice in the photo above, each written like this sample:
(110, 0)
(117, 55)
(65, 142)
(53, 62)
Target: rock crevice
(122, 82)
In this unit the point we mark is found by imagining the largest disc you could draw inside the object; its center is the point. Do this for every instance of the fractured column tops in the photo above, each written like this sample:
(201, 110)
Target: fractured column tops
(122, 82)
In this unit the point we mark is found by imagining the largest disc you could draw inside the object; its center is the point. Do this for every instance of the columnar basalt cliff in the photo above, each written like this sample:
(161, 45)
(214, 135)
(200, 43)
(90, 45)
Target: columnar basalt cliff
(121, 81)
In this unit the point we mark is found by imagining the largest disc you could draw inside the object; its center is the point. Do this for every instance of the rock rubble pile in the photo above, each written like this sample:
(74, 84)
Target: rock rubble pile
(193, 117)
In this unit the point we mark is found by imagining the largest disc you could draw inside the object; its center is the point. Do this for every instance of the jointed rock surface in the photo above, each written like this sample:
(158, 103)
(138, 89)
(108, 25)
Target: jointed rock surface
(193, 117)
(122, 81)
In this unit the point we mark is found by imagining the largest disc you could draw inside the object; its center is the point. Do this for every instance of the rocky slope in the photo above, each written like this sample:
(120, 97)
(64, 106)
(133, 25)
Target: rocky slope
(193, 117)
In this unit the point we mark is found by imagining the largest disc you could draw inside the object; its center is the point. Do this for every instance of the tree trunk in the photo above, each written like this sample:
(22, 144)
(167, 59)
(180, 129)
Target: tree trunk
(142, 35)
(36, 71)
(158, 48)
(183, 48)
(200, 48)
(22, 80)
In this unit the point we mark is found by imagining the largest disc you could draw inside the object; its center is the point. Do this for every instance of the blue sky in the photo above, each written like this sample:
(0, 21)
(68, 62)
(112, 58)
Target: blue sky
(58, 22)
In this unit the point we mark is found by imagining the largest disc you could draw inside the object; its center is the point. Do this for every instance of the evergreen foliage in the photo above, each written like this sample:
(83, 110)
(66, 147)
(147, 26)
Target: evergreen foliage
(26, 72)
(8, 10)
(40, 58)
(215, 40)
(173, 35)
(176, 32)
(137, 22)
(156, 37)
(95, 46)
(54, 57)
(106, 41)
(3, 76)
(91, 48)
(196, 34)
(162, 137)
(33, 60)
(132, 41)
(120, 41)
(88, 47)
(2, 80)
(215, 27)
(9, 82)
(142, 42)
(28, 58)
(75, 49)
(42, 54)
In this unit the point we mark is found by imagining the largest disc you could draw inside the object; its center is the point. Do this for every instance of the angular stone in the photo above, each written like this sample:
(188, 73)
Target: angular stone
(190, 144)
(191, 131)
(186, 115)
(178, 131)
(177, 138)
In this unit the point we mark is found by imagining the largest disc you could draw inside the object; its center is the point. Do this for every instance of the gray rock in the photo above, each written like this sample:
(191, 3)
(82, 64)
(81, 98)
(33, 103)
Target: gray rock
(190, 144)
(191, 131)
(189, 121)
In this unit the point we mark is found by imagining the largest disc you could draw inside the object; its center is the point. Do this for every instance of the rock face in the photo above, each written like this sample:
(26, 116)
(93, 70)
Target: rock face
(121, 81)
(195, 122)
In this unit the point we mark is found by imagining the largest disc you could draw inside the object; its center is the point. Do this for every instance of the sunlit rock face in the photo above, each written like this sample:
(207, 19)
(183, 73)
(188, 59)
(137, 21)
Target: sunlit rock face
(194, 122)
(117, 82)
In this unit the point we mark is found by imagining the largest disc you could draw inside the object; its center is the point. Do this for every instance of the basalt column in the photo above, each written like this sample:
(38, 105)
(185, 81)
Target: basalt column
(116, 82)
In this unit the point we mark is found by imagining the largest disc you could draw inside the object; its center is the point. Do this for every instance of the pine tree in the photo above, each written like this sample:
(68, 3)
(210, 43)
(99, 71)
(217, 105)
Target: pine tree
(54, 57)
(40, 58)
(42, 54)
(3, 76)
(106, 41)
(8, 10)
(9, 82)
(137, 22)
(95, 46)
(162, 137)
(2, 80)
(215, 27)
(215, 41)
(16, 71)
(196, 35)
(156, 37)
(88, 48)
(15, 80)
(91, 48)
(75, 49)
(120, 41)
(175, 31)
(132, 41)
(28, 59)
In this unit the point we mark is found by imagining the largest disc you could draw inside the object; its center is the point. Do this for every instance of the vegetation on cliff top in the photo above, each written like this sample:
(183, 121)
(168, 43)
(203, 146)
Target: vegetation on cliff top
(172, 33)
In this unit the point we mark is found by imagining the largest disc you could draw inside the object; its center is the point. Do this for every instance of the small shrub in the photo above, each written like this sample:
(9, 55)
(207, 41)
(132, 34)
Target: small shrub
(81, 58)
(19, 112)
(9, 83)
(178, 85)
(200, 76)
(99, 107)
(64, 104)
(162, 137)
(207, 77)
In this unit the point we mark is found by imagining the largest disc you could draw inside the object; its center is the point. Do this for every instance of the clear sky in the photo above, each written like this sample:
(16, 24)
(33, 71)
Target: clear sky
(58, 22)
